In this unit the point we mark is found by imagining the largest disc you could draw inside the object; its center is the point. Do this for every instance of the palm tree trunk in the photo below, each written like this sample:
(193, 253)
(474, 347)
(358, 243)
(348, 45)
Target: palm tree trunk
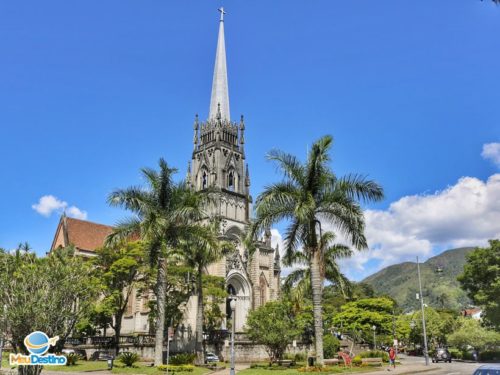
(317, 289)
(200, 355)
(160, 309)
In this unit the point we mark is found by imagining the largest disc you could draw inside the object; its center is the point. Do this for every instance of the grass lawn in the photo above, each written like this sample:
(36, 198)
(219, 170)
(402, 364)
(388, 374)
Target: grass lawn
(86, 366)
(118, 368)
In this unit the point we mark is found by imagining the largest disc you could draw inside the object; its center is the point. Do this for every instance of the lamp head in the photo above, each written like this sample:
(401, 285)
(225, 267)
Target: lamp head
(232, 304)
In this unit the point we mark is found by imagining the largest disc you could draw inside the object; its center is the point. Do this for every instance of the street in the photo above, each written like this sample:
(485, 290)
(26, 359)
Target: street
(453, 368)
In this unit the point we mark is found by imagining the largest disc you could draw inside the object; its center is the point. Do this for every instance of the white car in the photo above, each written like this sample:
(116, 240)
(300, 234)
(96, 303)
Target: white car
(211, 358)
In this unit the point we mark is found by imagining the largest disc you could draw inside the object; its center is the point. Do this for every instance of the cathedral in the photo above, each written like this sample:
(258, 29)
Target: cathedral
(218, 162)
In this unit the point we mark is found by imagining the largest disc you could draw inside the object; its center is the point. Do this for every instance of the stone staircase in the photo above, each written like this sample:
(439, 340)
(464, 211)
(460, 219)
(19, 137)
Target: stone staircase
(348, 345)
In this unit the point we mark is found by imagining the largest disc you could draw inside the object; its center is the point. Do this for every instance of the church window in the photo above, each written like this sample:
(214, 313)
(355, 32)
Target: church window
(263, 288)
(230, 181)
(204, 180)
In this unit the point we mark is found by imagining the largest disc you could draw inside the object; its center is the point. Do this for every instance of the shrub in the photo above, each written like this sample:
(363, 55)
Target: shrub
(490, 355)
(299, 357)
(71, 359)
(455, 353)
(375, 354)
(182, 359)
(128, 358)
(357, 361)
(331, 346)
(176, 368)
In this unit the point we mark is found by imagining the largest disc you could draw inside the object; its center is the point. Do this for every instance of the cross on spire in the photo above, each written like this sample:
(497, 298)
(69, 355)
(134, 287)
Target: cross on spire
(222, 12)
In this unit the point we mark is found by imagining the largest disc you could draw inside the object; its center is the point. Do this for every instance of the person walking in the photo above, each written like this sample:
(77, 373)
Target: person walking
(392, 357)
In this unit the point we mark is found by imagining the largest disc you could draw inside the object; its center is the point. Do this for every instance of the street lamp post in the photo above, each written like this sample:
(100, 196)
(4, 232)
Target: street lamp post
(421, 297)
(374, 327)
(232, 304)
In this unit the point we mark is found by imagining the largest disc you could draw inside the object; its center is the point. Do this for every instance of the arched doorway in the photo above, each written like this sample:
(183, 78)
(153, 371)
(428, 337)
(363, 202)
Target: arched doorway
(239, 287)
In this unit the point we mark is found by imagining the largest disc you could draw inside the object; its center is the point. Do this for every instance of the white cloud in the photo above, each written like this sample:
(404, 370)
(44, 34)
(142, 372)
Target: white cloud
(75, 212)
(48, 204)
(465, 214)
(491, 151)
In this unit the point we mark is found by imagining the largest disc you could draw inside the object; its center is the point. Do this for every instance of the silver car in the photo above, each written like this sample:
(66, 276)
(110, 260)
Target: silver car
(211, 358)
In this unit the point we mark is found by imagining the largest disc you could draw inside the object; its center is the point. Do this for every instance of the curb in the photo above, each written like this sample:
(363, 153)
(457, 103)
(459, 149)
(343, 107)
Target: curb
(419, 371)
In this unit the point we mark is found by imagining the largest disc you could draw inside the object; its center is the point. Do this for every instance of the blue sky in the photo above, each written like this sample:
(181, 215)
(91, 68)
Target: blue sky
(90, 91)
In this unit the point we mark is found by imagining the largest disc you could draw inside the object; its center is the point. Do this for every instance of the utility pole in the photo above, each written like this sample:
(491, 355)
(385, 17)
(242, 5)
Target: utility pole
(421, 297)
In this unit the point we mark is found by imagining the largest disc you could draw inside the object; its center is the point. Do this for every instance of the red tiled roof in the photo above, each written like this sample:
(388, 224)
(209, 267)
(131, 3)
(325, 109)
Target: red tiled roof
(469, 312)
(86, 235)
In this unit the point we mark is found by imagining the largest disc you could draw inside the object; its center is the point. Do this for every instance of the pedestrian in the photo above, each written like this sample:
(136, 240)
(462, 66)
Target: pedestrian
(392, 357)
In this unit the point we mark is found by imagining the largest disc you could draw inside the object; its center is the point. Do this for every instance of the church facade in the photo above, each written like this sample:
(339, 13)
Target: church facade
(218, 162)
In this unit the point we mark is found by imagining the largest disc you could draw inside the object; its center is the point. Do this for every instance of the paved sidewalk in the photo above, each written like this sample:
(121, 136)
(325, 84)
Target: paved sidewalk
(409, 368)
(237, 367)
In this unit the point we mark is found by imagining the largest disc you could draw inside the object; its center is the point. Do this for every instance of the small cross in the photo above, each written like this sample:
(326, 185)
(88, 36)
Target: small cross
(221, 10)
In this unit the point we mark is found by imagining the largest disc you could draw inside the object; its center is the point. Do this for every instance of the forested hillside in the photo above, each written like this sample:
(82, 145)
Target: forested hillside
(439, 281)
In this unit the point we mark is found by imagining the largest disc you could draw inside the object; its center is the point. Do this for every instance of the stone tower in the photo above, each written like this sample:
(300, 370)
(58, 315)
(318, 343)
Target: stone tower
(218, 159)
(218, 163)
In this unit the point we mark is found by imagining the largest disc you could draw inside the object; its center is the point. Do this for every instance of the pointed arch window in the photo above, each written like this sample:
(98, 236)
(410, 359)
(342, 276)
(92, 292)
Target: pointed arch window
(204, 180)
(230, 181)
(263, 290)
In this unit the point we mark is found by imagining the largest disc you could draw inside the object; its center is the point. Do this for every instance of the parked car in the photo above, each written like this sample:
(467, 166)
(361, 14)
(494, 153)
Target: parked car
(491, 369)
(441, 354)
(211, 358)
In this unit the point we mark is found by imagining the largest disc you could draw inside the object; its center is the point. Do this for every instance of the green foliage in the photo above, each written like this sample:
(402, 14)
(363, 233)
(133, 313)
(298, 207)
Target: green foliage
(119, 269)
(375, 354)
(128, 358)
(357, 360)
(71, 359)
(455, 353)
(214, 294)
(50, 294)
(490, 355)
(361, 315)
(441, 289)
(481, 280)
(176, 368)
(439, 324)
(471, 333)
(274, 326)
(331, 346)
(182, 359)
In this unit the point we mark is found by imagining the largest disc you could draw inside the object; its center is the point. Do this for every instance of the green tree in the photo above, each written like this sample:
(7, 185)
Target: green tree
(481, 281)
(360, 316)
(470, 333)
(438, 323)
(199, 251)
(298, 282)
(309, 195)
(50, 294)
(273, 325)
(164, 213)
(120, 271)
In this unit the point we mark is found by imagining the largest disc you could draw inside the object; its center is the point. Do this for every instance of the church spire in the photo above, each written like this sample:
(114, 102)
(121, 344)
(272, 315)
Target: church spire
(220, 94)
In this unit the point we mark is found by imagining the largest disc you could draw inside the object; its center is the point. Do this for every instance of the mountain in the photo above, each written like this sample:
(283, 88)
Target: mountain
(439, 281)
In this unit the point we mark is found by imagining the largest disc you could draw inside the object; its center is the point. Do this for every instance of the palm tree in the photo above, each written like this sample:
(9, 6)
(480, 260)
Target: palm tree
(199, 251)
(298, 283)
(164, 213)
(309, 195)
